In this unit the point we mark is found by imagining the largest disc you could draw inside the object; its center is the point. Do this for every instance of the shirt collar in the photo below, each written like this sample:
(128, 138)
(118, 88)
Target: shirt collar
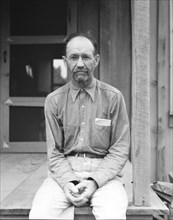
(90, 89)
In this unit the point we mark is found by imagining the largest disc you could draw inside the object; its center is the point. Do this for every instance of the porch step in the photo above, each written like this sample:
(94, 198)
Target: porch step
(157, 208)
(21, 176)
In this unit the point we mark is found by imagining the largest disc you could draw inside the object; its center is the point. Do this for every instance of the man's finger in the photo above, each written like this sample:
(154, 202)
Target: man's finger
(73, 188)
(82, 203)
(77, 201)
(81, 186)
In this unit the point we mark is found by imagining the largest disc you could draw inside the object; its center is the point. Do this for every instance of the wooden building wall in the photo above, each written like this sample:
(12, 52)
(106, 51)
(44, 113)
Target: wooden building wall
(110, 22)
(161, 131)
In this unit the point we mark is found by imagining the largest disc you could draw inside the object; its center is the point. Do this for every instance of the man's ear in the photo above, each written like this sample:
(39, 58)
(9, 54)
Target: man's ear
(97, 59)
(65, 60)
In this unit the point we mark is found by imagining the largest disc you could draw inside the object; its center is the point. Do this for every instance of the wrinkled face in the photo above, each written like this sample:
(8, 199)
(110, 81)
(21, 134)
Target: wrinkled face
(80, 60)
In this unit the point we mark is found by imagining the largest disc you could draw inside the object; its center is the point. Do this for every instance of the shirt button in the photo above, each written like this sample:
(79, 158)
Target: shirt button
(83, 123)
(81, 139)
(82, 106)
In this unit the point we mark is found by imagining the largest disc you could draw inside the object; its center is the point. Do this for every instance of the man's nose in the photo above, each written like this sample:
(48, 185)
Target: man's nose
(80, 62)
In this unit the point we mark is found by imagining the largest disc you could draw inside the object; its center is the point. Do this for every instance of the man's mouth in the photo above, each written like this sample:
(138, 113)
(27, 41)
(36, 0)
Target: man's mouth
(81, 71)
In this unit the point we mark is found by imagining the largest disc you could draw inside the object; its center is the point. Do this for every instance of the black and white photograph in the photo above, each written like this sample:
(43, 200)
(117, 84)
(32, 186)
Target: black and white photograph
(86, 109)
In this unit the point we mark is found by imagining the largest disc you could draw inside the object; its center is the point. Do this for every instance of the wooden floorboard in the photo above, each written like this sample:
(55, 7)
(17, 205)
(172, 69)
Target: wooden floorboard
(18, 173)
(11, 161)
(22, 196)
(3, 156)
(157, 207)
(24, 173)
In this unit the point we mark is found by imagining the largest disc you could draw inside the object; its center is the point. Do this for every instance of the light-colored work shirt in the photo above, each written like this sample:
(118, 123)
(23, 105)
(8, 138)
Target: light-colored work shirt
(91, 120)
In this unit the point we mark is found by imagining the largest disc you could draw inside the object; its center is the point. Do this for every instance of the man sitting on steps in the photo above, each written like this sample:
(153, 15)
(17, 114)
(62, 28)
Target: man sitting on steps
(88, 141)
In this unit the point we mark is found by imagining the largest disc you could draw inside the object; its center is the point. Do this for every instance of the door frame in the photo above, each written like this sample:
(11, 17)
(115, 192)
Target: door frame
(6, 100)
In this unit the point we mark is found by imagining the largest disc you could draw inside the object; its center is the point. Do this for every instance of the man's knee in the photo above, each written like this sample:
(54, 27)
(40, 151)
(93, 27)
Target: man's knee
(36, 214)
(110, 201)
(52, 212)
(40, 213)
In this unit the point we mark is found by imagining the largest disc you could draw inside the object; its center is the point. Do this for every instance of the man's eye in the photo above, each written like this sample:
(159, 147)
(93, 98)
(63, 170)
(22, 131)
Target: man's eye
(73, 58)
(86, 58)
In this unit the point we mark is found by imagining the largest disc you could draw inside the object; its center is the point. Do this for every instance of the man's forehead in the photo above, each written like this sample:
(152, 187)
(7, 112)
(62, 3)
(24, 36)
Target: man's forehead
(80, 43)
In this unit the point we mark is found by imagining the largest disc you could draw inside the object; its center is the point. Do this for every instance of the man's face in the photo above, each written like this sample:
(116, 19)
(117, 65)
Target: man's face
(80, 60)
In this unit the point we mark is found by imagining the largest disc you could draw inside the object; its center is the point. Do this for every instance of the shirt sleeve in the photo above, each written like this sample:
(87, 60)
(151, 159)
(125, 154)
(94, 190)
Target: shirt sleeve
(59, 166)
(118, 152)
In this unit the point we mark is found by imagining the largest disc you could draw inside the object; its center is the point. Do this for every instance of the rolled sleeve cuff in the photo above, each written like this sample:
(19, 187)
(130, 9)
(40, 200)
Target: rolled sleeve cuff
(63, 181)
(100, 178)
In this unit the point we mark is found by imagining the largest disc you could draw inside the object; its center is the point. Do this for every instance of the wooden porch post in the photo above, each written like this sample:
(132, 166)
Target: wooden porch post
(141, 101)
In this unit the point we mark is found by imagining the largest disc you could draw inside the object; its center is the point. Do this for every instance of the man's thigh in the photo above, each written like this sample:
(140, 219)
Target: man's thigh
(110, 201)
(50, 202)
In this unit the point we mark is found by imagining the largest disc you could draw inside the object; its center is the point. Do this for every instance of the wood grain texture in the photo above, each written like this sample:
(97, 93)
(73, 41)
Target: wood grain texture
(141, 101)
(171, 57)
(157, 207)
(72, 16)
(105, 44)
(153, 88)
(22, 196)
(11, 179)
(88, 17)
(88, 20)
(11, 161)
(115, 46)
(165, 134)
(3, 156)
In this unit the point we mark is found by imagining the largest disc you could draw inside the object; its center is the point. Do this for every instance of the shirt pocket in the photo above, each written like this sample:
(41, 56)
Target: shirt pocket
(101, 134)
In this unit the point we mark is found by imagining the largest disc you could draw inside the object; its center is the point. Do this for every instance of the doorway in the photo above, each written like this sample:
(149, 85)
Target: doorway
(32, 44)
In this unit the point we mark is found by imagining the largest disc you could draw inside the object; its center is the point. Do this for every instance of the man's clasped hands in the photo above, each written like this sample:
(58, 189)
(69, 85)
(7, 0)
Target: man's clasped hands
(80, 194)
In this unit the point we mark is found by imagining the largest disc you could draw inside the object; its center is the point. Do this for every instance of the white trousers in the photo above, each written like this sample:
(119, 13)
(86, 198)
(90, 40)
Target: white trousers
(108, 202)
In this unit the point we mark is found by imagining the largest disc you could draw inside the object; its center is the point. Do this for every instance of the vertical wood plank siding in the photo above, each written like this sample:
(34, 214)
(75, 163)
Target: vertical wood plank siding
(141, 101)
(88, 20)
(165, 134)
(115, 46)
(161, 132)
(153, 87)
(72, 16)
